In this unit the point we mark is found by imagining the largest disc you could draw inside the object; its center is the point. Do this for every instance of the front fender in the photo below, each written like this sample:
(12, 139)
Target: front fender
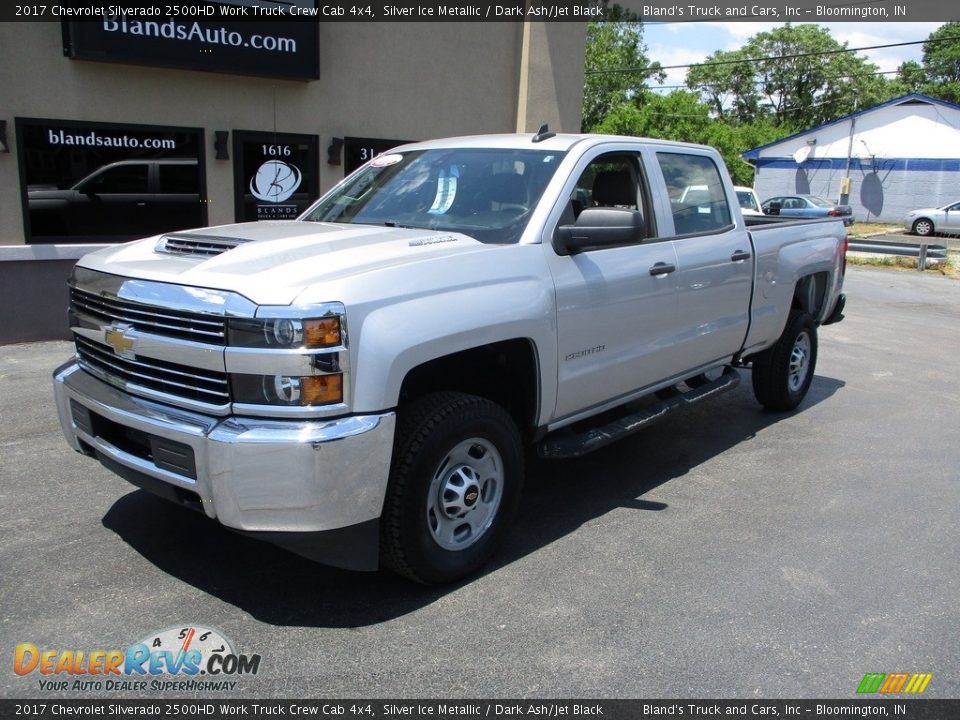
(394, 339)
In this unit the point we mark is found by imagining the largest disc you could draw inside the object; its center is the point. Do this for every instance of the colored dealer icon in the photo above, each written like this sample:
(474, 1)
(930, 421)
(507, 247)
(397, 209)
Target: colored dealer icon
(893, 683)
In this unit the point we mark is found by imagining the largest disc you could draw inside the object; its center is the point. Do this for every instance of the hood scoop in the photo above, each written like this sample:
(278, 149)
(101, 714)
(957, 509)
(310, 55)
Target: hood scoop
(197, 245)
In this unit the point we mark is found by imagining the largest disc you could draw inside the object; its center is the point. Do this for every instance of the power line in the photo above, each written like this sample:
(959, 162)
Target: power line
(771, 57)
(764, 82)
(784, 111)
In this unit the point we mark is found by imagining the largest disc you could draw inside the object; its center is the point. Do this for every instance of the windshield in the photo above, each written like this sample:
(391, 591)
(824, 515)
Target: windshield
(486, 193)
(746, 200)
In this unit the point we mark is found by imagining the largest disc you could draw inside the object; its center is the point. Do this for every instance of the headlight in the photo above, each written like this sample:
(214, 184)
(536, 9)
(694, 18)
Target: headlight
(284, 333)
(287, 390)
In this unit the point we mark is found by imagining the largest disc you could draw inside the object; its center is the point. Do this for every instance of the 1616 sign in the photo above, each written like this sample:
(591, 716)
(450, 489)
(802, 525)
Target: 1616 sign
(276, 175)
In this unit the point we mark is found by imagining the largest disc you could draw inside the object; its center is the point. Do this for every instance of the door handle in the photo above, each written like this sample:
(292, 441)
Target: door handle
(740, 256)
(662, 268)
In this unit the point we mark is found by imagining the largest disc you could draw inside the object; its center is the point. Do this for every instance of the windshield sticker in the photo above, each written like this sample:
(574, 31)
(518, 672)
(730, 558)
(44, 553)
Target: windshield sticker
(386, 160)
(446, 191)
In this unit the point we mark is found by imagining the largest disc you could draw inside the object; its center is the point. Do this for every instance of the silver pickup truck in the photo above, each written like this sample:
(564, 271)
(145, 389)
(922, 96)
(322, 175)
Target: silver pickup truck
(358, 385)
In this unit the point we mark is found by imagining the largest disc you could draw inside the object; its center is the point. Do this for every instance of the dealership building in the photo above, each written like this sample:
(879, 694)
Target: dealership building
(883, 161)
(118, 129)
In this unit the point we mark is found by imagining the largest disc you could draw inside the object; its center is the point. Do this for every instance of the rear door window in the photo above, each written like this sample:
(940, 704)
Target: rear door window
(178, 179)
(697, 198)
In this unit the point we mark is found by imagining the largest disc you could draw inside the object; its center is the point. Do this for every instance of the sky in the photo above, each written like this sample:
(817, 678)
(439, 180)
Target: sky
(688, 42)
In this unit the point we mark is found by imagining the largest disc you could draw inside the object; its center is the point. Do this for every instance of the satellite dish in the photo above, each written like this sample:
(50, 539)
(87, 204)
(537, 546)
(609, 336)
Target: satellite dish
(802, 154)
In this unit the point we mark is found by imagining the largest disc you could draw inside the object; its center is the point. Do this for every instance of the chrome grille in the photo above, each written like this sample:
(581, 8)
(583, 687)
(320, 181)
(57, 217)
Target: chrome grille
(204, 386)
(197, 327)
(201, 245)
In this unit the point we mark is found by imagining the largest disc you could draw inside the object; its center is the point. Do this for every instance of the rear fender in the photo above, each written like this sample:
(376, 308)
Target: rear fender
(781, 269)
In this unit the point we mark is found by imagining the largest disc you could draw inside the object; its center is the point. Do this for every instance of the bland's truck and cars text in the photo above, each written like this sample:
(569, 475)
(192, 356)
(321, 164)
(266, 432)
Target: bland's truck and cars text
(359, 385)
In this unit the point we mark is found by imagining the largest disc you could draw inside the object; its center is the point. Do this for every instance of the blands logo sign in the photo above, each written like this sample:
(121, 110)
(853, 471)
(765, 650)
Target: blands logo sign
(894, 683)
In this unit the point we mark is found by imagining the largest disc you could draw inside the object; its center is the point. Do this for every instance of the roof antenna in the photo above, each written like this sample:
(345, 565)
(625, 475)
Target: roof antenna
(543, 134)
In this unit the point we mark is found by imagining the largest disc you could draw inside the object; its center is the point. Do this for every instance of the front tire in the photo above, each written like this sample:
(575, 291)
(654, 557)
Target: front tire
(923, 227)
(454, 485)
(782, 374)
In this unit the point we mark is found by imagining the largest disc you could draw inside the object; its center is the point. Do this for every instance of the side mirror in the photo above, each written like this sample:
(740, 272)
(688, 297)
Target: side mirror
(599, 228)
(88, 188)
(773, 209)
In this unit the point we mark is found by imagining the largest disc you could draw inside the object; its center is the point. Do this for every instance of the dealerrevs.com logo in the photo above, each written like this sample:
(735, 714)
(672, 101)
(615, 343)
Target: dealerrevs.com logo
(180, 658)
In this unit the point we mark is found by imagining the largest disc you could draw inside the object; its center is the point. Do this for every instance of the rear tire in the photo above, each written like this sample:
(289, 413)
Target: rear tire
(454, 486)
(923, 227)
(782, 374)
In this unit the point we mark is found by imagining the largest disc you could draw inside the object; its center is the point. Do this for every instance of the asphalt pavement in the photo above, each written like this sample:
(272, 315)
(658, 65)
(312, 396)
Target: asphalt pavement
(727, 552)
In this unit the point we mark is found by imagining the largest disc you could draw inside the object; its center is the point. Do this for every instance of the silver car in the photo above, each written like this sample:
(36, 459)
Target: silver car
(926, 221)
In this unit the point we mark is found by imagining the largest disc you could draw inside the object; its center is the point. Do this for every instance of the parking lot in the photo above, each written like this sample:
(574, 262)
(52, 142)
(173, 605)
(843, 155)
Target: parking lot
(727, 552)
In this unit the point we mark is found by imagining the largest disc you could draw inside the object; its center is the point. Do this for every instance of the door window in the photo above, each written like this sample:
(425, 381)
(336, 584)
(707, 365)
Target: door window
(122, 179)
(608, 181)
(697, 198)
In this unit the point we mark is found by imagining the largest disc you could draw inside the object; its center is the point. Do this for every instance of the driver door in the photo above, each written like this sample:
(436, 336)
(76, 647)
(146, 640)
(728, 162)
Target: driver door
(951, 219)
(615, 315)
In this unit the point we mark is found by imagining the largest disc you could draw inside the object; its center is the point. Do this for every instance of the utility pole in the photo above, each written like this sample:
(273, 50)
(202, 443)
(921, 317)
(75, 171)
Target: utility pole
(845, 181)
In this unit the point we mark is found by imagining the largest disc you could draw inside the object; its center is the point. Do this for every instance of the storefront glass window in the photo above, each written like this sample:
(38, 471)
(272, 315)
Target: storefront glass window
(87, 182)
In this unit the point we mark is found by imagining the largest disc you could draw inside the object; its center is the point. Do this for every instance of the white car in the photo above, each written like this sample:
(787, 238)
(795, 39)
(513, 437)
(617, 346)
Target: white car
(749, 202)
(926, 221)
(746, 198)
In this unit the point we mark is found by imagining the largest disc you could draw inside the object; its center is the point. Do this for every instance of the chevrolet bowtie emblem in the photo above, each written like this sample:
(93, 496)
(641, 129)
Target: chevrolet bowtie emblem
(115, 336)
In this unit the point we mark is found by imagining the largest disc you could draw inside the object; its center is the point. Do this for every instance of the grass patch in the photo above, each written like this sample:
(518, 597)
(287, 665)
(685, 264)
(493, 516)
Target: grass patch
(950, 268)
(859, 229)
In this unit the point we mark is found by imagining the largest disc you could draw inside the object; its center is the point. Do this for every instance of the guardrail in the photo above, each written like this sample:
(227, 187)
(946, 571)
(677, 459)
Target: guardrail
(924, 252)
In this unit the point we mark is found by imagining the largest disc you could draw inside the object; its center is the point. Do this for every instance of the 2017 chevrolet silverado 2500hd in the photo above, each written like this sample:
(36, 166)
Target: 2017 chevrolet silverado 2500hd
(357, 385)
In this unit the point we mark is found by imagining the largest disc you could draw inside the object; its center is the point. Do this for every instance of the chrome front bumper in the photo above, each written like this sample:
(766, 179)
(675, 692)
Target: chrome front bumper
(261, 476)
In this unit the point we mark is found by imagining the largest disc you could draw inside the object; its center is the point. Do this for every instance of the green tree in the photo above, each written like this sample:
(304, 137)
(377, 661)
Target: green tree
(725, 80)
(681, 115)
(911, 78)
(941, 63)
(794, 75)
(617, 69)
(733, 140)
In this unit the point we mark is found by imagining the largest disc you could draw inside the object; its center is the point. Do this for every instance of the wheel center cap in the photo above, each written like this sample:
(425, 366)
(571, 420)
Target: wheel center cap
(471, 496)
(460, 491)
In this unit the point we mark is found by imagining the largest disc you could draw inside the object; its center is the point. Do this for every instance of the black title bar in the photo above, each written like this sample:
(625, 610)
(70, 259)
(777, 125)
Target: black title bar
(898, 707)
(481, 11)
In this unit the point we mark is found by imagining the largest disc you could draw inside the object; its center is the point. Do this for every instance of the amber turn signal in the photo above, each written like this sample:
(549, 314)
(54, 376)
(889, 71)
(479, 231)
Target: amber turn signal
(321, 390)
(321, 332)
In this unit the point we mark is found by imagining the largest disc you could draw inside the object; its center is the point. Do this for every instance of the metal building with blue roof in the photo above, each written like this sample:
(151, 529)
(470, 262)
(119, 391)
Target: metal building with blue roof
(900, 155)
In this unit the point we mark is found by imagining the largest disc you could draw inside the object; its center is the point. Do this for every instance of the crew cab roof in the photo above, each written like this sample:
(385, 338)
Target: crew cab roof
(561, 142)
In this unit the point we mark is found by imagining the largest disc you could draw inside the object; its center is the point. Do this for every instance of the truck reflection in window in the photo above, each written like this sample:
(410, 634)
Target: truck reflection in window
(120, 201)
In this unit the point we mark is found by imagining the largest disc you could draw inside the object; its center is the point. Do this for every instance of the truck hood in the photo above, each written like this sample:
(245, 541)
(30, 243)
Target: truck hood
(274, 261)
